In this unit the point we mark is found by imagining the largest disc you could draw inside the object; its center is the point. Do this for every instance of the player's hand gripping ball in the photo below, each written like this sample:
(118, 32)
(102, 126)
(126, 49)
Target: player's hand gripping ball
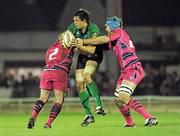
(67, 39)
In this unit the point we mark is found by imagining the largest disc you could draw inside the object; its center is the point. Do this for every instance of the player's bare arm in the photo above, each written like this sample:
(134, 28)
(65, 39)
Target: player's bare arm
(87, 49)
(97, 40)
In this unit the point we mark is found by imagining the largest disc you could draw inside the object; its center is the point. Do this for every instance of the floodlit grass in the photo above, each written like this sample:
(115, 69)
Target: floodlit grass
(68, 124)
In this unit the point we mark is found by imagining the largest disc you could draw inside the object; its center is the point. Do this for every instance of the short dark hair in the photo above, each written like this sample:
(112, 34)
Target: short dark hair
(83, 15)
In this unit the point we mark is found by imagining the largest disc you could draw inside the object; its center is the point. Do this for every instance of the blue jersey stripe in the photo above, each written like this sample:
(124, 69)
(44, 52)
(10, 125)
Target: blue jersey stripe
(126, 55)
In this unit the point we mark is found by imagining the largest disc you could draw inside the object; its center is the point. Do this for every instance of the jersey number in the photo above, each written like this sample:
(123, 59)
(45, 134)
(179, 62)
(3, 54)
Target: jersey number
(53, 54)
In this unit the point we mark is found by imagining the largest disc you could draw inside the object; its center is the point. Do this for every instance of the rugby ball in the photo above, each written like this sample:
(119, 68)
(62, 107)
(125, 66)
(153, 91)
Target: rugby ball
(67, 38)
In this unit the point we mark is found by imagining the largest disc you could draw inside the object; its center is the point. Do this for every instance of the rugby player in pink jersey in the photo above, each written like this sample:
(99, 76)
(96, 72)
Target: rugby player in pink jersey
(131, 69)
(55, 78)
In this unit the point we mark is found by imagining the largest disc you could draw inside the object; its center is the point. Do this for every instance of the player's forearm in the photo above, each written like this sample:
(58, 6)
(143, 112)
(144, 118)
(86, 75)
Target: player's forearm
(97, 40)
(87, 49)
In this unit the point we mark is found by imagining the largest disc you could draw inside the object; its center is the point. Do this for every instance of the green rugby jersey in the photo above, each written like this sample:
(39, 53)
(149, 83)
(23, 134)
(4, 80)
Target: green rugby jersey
(92, 31)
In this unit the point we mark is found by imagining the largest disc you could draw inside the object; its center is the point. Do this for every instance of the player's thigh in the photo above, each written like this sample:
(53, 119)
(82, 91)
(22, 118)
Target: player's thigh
(129, 79)
(124, 91)
(126, 87)
(90, 67)
(59, 95)
(133, 74)
(44, 94)
(79, 75)
(61, 84)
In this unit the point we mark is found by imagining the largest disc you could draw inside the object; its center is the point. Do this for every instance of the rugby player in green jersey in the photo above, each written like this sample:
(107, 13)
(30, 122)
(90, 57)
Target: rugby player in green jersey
(87, 65)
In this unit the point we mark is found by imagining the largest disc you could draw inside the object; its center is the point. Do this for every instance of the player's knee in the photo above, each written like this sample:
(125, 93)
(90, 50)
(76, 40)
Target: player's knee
(121, 100)
(87, 78)
(121, 97)
(44, 99)
(124, 98)
(118, 102)
(59, 100)
(80, 85)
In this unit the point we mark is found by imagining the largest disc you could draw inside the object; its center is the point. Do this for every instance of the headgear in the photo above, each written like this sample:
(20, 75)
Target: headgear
(114, 22)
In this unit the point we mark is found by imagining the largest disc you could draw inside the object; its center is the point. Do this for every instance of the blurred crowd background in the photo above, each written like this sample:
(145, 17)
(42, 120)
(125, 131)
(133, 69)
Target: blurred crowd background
(28, 27)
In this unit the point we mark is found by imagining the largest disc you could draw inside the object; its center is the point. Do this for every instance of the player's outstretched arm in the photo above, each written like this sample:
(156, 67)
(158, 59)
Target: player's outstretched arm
(97, 40)
(87, 49)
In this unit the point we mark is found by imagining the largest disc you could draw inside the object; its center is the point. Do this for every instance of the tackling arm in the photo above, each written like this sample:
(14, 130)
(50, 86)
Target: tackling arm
(87, 49)
(97, 40)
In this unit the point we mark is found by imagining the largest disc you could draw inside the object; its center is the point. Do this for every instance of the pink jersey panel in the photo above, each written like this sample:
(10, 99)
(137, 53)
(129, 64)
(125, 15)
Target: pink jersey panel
(58, 57)
(123, 47)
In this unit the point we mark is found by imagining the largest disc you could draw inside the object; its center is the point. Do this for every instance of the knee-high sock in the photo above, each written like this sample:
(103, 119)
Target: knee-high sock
(95, 93)
(37, 108)
(84, 98)
(126, 114)
(54, 113)
(137, 106)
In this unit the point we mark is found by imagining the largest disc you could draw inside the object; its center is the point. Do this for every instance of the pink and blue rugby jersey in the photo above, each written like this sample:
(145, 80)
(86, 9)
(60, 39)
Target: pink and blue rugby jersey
(57, 57)
(123, 47)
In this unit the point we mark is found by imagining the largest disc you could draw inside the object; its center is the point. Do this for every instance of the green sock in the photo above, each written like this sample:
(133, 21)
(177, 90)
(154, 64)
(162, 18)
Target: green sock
(95, 93)
(84, 98)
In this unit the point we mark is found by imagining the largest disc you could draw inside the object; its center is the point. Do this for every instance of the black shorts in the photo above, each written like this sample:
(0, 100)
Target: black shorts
(97, 56)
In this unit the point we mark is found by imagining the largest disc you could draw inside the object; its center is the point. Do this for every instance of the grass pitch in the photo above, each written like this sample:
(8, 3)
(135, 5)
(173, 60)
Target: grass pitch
(68, 124)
